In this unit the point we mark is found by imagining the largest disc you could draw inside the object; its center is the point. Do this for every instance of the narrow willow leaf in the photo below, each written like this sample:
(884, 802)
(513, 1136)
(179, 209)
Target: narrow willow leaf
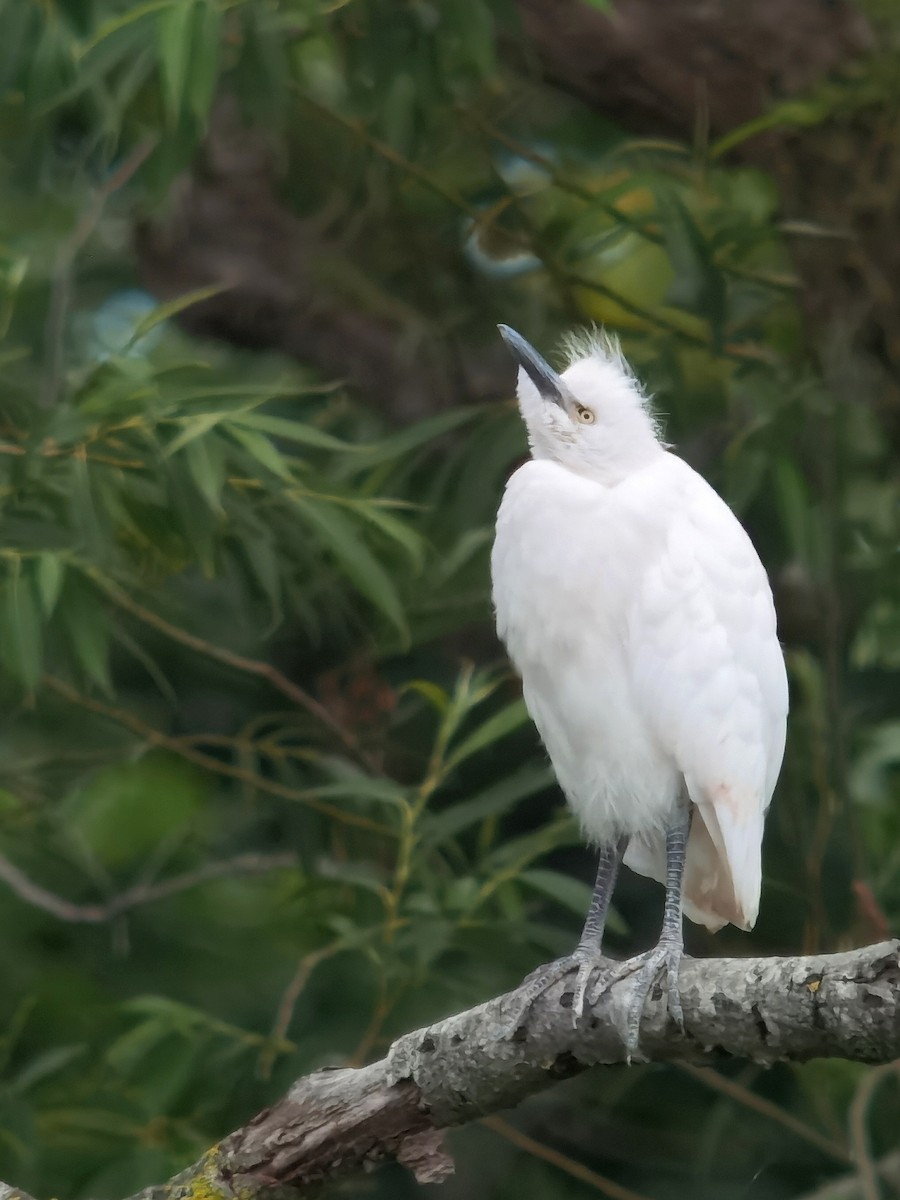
(291, 431)
(206, 464)
(436, 696)
(398, 110)
(194, 427)
(355, 874)
(798, 515)
(201, 85)
(573, 894)
(397, 445)
(87, 625)
(521, 850)
(261, 552)
(492, 730)
(340, 539)
(107, 28)
(51, 1062)
(137, 1043)
(173, 39)
(260, 448)
(502, 797)
(49, 579)
(171, 309)
(698, 286)
(22, 638)
(367, 789)
(405, 537)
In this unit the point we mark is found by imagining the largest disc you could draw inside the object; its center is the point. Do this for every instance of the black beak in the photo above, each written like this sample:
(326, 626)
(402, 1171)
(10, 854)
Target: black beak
(538, 370)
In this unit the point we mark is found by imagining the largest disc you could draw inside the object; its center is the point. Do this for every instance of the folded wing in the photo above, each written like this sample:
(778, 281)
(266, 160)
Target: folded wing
(709, 676)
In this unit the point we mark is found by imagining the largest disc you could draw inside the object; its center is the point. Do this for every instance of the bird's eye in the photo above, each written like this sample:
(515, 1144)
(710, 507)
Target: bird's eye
(585, 416)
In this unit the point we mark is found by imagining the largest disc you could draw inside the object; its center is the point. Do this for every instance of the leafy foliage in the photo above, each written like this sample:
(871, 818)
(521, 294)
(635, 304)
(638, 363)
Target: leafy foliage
(217, 877)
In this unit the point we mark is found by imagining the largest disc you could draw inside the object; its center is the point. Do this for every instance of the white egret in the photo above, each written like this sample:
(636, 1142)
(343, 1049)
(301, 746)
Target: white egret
(638, 614)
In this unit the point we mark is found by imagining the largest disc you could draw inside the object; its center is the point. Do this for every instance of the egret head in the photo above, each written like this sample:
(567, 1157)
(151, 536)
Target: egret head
(593, 418)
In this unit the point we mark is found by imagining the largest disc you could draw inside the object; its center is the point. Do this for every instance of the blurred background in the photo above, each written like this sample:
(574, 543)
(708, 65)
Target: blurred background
(268, 793)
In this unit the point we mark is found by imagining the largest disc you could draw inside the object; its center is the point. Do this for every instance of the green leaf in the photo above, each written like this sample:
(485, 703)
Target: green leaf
(350, 781)
(563, 831)
(47, 1064)
(126, 811)
(494, 801)
(114, 24)
(291, 431)
(205, 58)
(362, 568)
(128, 1050)
(573, 894)
(492, 730)
(22, 640)
(398, 531)
(194, 427)
(173, 38)
(206, 464)
(87, 625)
(366, 875)
(49, 579)
(398, 445)
(397, 111)
(172, 308)
(698, 286)
(260, 448)
(436, 696)
(798, 517)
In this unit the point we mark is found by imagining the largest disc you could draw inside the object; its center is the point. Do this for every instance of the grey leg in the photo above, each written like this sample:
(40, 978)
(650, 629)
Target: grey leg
(588, 952)
(670, 948)
(587, 959)
(607, 873)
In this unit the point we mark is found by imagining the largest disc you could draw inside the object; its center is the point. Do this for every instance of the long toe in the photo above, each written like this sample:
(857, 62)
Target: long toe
(595, 974)
(673, 993)
(665, 956)
(585, 965)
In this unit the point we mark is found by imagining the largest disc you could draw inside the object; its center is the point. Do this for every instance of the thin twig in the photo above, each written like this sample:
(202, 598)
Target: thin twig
(338, 1121)
(607, 1187)
(145, 893)
(288, 1003)
(847, 1186)
(238, 662)
(736, 1091)
(156, 737)
(414, 171)
(866, 1167)
(61, 286)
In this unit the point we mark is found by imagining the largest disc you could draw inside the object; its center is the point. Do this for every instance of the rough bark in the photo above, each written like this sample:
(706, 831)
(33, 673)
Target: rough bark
(340, 1121)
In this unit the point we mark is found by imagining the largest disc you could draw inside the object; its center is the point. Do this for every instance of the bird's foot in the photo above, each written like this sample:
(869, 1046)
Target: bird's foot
(593, 974)
(647, 967)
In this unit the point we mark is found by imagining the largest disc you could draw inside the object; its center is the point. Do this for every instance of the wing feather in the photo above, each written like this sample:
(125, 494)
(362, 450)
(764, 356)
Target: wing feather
(709, 676)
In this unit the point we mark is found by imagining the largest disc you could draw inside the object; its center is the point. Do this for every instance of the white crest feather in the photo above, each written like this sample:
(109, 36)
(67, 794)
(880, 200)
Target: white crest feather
(597, 343)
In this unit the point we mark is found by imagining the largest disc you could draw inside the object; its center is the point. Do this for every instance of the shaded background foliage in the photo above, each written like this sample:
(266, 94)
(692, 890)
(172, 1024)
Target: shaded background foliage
(269, 794)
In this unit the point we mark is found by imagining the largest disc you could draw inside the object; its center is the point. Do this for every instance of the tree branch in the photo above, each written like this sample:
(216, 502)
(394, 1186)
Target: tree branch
(146, 892)
(340, 1121)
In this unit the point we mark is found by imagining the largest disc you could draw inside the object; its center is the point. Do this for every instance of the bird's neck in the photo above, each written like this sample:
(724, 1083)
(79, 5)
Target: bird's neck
(607, 466)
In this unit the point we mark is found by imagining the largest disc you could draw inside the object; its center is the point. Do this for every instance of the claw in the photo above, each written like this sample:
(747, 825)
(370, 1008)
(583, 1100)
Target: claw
(588, 966)
(667, 955)
(595, 974)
